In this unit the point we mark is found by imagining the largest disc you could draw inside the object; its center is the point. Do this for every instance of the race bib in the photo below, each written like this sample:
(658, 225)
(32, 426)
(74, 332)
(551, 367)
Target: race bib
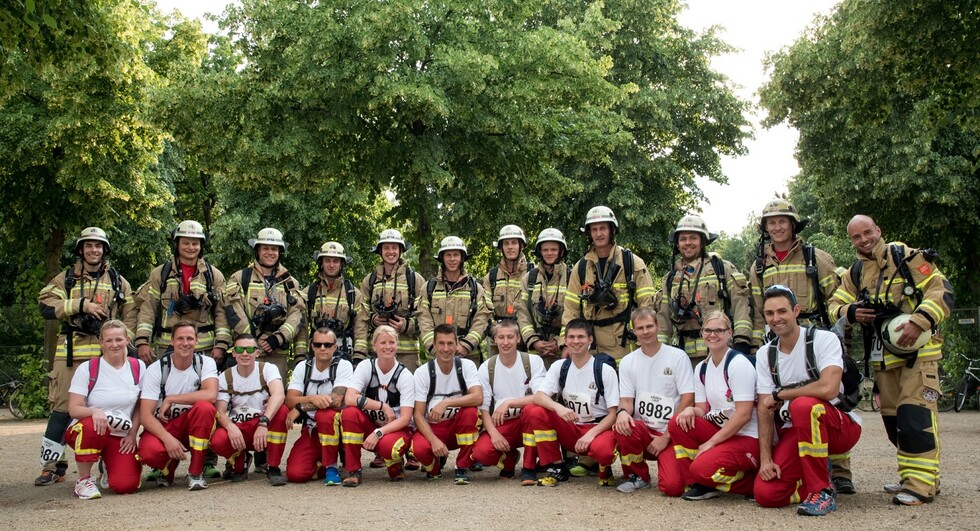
(50, 450)
(581, 404)
(513, 413)
(877, 348)
(719, 418)
(783, 415)
(377, 416)
(655, 410)
(176, 410)
(119, 423)
(243, 414)
(448, 414)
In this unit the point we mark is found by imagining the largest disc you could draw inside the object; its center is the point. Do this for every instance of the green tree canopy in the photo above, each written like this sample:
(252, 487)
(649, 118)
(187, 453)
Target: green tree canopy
(885, 95)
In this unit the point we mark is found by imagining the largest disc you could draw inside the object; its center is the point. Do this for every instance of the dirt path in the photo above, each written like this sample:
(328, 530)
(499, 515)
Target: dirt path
(487, 502)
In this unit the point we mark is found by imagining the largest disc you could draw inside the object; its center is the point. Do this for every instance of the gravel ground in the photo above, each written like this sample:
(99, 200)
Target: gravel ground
(488, 502)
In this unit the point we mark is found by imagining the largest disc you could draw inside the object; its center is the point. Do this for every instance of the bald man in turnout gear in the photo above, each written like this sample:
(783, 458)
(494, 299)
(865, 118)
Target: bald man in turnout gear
(606, 285)
(539, 311)
(185, 288)
(455, 298)
(698, 283)
(895, 281)
(265, 301)
(82, 297)
(335, 302)
(393, 296)
(503, 282)
(786, 259)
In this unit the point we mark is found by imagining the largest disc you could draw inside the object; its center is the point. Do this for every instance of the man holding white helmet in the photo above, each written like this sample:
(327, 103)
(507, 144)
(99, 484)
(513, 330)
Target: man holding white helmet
(888, 284)
(265, 301)
(542, 301)
(185, 288)
(392, 296)
(503, 282)
(82, 297)
(455, 298)
(698, 283)
(335, 302)
(606, 285)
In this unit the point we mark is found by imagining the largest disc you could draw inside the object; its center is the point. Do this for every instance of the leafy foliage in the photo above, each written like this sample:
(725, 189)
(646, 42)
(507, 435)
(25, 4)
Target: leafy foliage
(885, 98)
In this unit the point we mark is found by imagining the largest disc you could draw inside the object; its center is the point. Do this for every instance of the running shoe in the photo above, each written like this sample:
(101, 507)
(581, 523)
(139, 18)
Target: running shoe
(844, 486)
(85, 489)
(820, 503)
(699, 492)
(332, 478)
(48, 477)
(196, 482)
(633, 484)
(462, 478)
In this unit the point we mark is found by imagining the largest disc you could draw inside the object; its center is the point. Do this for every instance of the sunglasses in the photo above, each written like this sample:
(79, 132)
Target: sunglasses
(779, 288)
(328, 344)
(243, 350)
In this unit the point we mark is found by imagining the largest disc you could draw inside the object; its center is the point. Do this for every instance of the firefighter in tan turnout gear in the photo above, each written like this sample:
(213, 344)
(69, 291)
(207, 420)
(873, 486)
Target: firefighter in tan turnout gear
(392, 296)
(334, 302)
(455, 298)
(185, 288)
(785, 259)
(82, 297)
(264, 300)
(698, 283)
(606, 285)
(503, 282)
(899, 297)
(543, 296)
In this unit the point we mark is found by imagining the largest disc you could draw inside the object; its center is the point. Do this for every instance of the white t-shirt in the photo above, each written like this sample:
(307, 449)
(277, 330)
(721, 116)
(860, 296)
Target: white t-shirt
(447, 385)
(178, 382)
(656, 383)
(827, 352)
(580, 390)
(721, 397)
(241, 407)
(511, 382)
(320, 383)
(405, 385)
(115, 392)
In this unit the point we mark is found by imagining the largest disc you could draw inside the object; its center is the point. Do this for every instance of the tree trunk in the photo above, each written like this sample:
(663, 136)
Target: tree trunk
(52, 266)
(427, 266)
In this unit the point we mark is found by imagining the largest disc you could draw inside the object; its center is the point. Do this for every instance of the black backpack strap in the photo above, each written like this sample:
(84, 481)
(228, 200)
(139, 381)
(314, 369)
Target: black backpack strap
(491, 368)
(372, 278)
(410, 281)
(209, 286)
(472, 314)
(630, 281)
(351, 310)
(430, 288)
(458, 362)
(898, 256)
(774, 363)
(532, 280)
(165, 367)
(394, 396)
(704, 370)
(856, 274)
(310, 303)
(431, 364)
(581, 281)
(810, 264)
(720, 274)
(563, 375)
(600, 386)
(333, 369)
(493, 279)
(307, 373)
(811, 359)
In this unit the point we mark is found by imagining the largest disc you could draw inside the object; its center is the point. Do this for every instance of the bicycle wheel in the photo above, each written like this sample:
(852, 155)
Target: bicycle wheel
(867, 402)
(947, 397)
(13, 404)
(962, 393)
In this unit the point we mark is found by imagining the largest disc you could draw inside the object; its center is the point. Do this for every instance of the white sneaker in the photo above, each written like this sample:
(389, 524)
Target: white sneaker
(633, 484)
(85, 489)
(196, 482)
(893, 488)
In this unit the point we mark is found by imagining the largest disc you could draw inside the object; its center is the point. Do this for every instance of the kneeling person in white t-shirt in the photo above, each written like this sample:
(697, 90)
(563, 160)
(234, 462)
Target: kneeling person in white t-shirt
(655, 382)
(251, 414)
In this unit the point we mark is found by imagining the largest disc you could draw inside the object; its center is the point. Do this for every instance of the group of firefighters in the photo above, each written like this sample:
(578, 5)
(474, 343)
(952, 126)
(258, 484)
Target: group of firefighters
(544, 357)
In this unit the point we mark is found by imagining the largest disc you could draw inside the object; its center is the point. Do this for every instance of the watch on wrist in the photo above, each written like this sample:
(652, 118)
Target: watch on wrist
(264, 421)
(378, 433)
(775, 395)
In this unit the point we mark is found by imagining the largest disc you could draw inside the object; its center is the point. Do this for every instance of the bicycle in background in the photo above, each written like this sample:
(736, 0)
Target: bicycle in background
(968, 384)
(10, 395)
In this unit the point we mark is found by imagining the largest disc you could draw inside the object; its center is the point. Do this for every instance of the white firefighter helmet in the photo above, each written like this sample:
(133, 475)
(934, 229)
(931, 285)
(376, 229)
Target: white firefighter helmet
(268, 236)
(889, 335)
(691, 223)
(333, 250)
(600, 214)
(511, 232)
(391, 236)
(551, 235)
(189, 229)
(451, 243)
(92, 234)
